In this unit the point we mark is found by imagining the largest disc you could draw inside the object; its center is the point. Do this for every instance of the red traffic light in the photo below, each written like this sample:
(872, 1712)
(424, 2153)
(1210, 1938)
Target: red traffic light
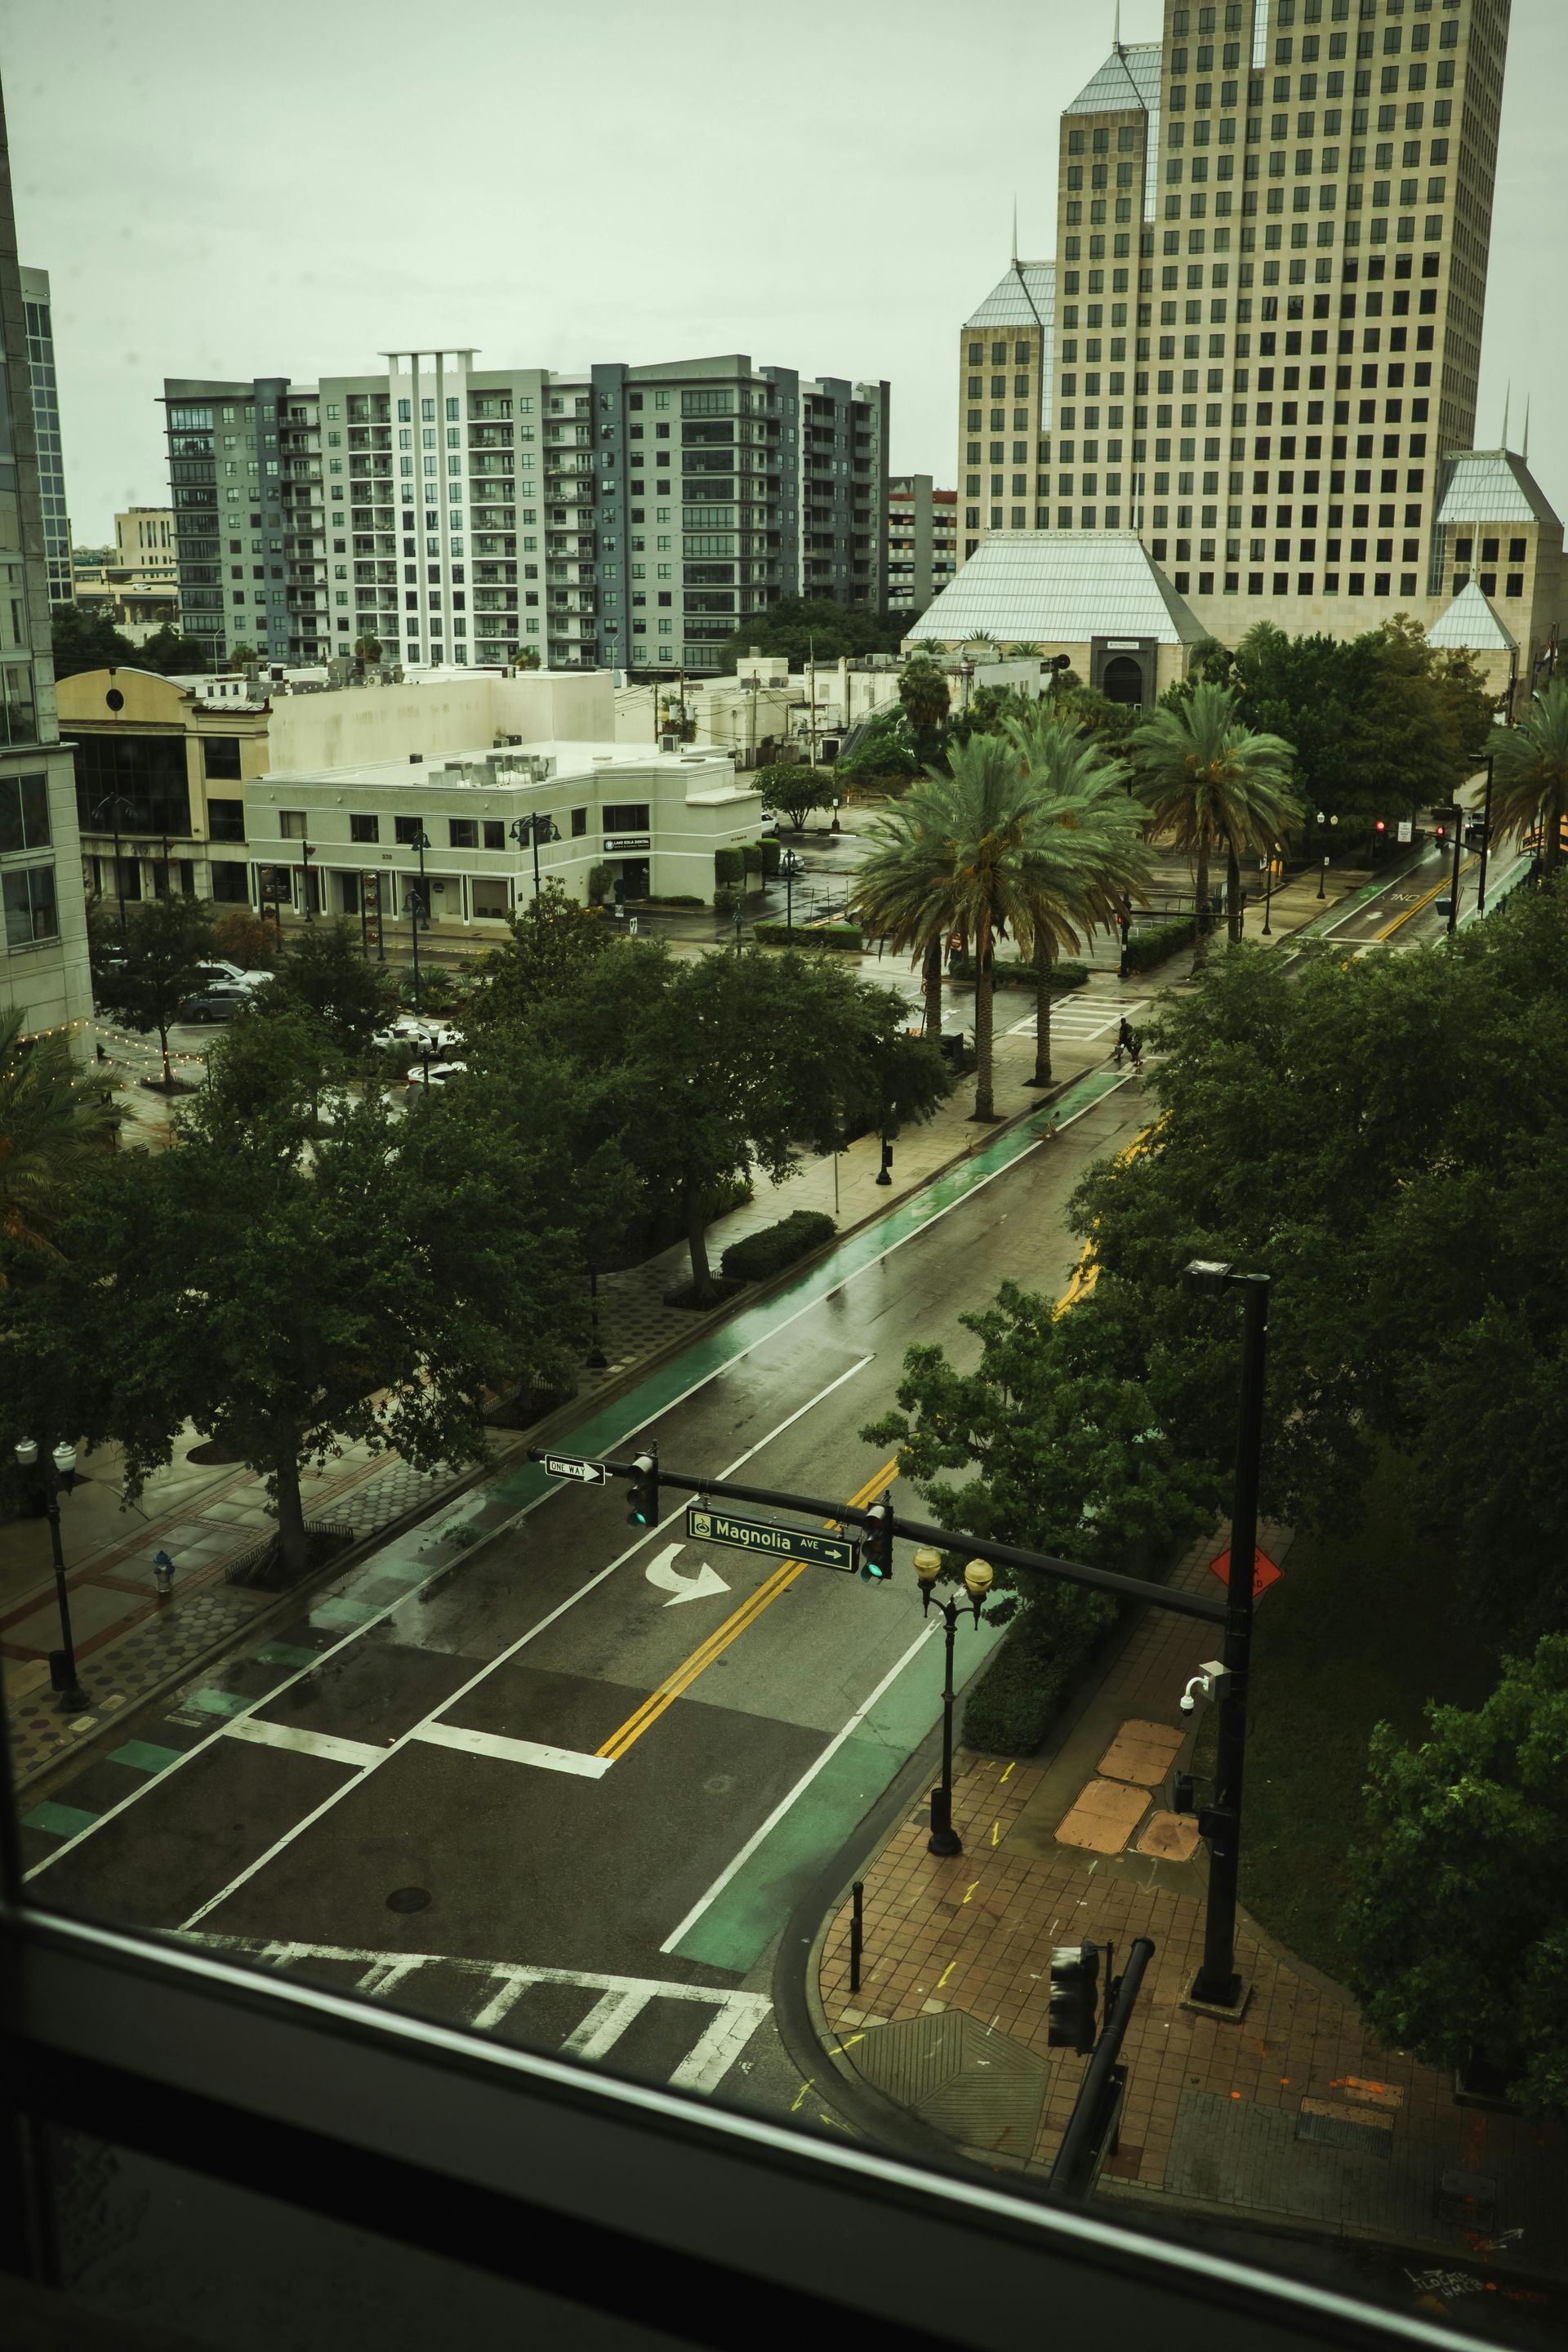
(1380, 826)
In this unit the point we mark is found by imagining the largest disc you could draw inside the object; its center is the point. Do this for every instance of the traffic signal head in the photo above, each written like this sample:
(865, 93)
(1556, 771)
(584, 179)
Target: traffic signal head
(1380, 826)
(1439, 832)
(642, 1490)
(1074, 1997)
(876, 1544)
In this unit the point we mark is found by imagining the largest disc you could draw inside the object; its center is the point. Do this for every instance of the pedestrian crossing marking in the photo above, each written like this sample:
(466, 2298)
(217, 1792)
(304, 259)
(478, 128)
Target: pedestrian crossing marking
(493, 1988)
(1095, 1017)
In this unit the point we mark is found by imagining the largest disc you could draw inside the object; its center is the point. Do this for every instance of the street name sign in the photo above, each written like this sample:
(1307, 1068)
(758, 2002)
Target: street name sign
(705, 1525)
(572, 1466)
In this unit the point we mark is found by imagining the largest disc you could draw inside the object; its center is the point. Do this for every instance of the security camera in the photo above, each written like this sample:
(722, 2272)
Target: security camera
(1210, 1682)
(1187, 1703)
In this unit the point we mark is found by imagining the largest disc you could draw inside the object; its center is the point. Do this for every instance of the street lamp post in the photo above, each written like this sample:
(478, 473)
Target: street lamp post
(530, 831)
(944, 1839)
(1218, 1982)
(1322, 858)
(1454, 886)
(835, 826)
(62, 1664)
(1486, 841)
(1268, 889)
(307, 900)
(115, 803)
(419, 908)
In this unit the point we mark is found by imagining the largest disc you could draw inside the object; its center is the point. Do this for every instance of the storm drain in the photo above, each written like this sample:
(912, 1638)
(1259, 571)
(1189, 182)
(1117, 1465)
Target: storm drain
(978, 2086)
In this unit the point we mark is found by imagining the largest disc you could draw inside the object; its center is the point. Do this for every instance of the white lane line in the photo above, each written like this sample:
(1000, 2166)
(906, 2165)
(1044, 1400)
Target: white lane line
(714, 2055)
(405, 1600)
(605, 2022)
(513, 1751)
(414, 1730)
(805, 1782)
(738, 2014)
(921, 1221)
(356, 1752)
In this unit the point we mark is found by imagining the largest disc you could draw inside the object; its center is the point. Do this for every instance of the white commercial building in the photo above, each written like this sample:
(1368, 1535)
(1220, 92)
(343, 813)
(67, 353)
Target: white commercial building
(613, 821)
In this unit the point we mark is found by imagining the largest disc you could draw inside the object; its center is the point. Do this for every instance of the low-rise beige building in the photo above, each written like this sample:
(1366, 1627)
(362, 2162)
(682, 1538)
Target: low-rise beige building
(161, 766)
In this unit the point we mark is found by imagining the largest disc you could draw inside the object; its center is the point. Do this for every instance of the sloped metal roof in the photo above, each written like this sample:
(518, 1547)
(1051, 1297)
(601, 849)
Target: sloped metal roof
(1471, 623)
(1027, 298)
(1024, 298)
(1059, 587)
(1492, 485)
(1130, 76)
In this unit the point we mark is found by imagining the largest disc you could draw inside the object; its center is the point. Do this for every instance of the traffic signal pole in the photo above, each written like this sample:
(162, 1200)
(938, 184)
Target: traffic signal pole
(1091, 2128)
(887, 1523)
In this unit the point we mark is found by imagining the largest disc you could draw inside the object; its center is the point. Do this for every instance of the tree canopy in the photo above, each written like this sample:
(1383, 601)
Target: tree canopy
(800, 627)
(1459, 1927)
(82, 640)
(147, 973)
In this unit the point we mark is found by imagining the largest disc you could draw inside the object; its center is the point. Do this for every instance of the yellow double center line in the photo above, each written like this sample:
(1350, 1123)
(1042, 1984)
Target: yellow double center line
(686, 1674)
(1425, 900)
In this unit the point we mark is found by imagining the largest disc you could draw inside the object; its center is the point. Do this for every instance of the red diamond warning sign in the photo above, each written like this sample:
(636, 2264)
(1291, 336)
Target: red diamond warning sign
(1264, 1572)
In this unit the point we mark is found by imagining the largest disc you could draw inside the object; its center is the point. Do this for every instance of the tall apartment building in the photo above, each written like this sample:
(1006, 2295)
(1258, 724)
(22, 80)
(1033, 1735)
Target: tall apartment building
(42, 944)
(39, 315)
(921, 542)
(627, 517)
(1265, 307)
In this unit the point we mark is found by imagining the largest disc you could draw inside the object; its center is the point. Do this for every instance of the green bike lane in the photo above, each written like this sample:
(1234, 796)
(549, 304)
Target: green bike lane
(683, 1861)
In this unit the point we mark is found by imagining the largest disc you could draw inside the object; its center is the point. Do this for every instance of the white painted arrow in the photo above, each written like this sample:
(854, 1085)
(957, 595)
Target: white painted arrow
(662, 1572)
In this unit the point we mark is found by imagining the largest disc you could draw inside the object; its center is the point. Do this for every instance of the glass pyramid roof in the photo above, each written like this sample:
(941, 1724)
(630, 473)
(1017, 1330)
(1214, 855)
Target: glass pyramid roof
(1062, 588)
(1470, 621)
(1492, 485)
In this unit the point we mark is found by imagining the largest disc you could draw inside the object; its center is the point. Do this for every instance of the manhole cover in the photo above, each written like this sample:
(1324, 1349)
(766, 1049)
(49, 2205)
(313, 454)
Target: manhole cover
(408, 1899)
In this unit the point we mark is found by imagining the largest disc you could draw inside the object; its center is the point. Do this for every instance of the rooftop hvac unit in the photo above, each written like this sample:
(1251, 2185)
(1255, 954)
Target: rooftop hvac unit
(667, 742)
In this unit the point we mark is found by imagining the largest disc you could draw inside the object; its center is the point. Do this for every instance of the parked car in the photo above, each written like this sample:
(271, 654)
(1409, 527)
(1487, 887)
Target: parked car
(220, 974)
(411, 1034)
(216, 1005)
(435, 1073)
(790, 862)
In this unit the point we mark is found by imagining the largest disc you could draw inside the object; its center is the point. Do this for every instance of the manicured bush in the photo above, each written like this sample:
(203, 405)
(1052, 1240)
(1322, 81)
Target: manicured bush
(752, 852)
(769, 847)
(724, 899)
(729, 866)
(821, 935)
(1145, 949)
(773, 1247)
(1011, 1709)
(1009, 973)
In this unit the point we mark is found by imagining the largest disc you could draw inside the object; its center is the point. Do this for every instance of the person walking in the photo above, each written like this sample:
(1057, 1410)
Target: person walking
(1129, 1046)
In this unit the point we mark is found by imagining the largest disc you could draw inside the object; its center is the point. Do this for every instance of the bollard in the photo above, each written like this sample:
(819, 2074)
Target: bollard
(855, 1936)
(163, 1574)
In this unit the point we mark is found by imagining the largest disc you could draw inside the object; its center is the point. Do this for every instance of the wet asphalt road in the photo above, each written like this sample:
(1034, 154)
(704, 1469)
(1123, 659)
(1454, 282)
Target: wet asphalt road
(548, 1792)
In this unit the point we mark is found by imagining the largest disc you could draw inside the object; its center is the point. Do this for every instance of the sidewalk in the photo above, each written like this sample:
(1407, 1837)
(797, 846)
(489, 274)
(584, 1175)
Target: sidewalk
(1294, 2114)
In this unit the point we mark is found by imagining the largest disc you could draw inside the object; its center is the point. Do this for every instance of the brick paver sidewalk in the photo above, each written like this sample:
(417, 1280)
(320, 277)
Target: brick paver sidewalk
(1296, 2111)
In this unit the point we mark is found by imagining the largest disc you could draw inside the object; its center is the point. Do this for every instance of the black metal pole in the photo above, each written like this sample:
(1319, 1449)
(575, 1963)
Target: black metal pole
(1217, 1979)
(1269, 892)
(1486, 841)
(1092, 2118)
(73, 1698)
(789, 903)
(944, 1839)
(533, 837)
(857, 1934)
(1458, 853)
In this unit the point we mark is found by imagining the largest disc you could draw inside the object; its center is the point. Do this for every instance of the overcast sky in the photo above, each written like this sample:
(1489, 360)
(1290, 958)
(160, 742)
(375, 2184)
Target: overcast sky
(231, 191)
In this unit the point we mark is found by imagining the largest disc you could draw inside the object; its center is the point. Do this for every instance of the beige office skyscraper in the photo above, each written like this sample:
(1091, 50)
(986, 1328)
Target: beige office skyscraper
(1258, 341)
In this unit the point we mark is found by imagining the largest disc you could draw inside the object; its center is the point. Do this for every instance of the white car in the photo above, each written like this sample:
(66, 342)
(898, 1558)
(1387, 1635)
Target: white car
(220, 974)
(409, 1033)
(437, 1074)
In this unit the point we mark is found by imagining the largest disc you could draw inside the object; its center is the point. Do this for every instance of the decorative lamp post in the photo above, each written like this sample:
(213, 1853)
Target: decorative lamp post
(529, 832)
(62, 1662)
(835, 827)
(1268, 887)
(978, 1578)
(1323, 856)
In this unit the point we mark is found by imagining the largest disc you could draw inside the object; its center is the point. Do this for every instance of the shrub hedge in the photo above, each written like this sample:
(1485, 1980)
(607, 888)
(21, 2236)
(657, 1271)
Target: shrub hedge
(774, 934)
(729, 866)
(1013, 974)
(1145, 949)
(772, 1248)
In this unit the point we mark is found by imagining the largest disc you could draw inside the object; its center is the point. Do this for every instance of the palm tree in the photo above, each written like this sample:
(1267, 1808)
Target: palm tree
(51, 1121)
(1529, 776)
(951, 857)
(1086, 855)
(1214, 784)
